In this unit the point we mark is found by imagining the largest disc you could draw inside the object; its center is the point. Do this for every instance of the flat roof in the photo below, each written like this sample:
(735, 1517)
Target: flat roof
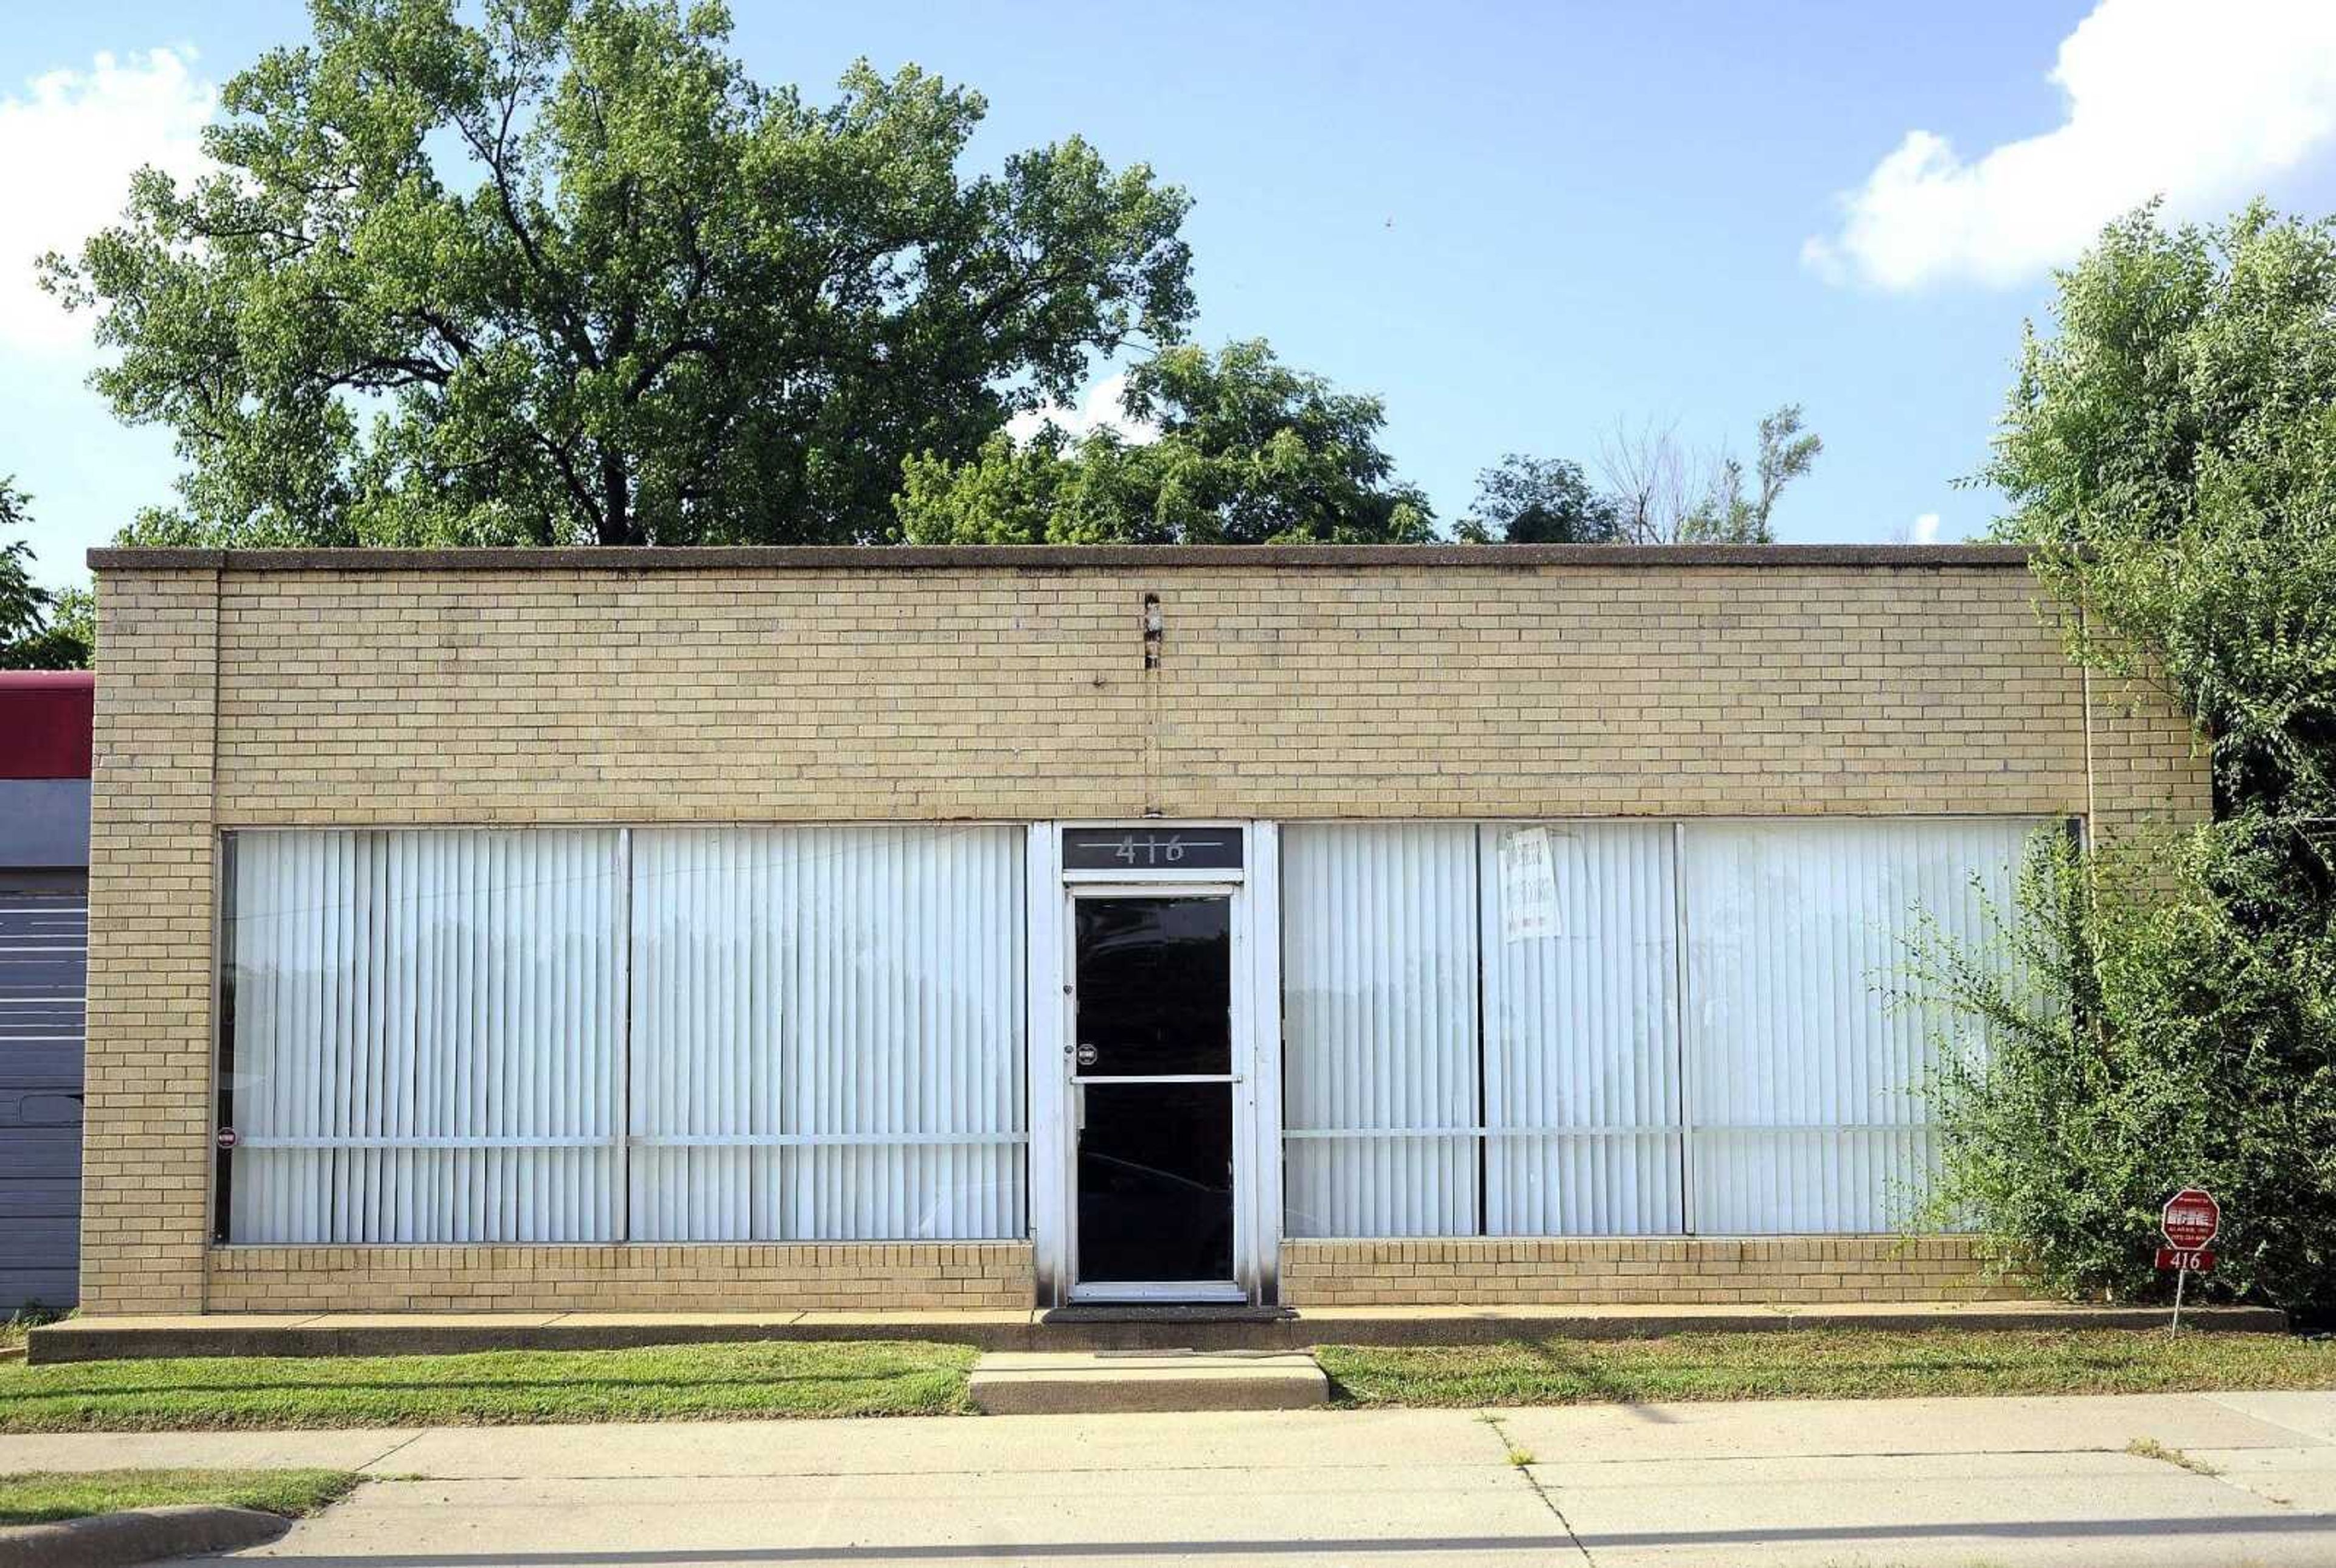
(1059, 557)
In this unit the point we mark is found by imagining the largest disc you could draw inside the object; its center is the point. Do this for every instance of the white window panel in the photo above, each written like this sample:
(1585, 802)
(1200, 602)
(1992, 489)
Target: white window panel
(1581, 1085)
(1380, 980)
(1804, 1071)
(426, 1036)
(827, 1033)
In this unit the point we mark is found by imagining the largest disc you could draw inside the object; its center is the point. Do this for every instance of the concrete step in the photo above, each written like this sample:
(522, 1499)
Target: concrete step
(1087, 1382)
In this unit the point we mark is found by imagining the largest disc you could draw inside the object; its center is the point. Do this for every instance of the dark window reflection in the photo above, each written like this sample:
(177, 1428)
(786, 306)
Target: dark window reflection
(1154, 986)
(1155, 1182)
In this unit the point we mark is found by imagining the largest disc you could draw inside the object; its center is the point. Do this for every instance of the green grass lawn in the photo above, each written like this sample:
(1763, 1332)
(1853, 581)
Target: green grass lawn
(39, 1496)
(1824, 1364)
(779, 1379)
(667, 1383)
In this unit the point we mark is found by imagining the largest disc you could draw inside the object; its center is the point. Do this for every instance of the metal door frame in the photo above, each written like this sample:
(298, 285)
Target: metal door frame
(1074, 1081)
(1255, 1068)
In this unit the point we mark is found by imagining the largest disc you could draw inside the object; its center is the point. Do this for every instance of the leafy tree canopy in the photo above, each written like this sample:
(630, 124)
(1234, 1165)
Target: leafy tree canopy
(566, 274)
(1655, 490)
(2170, 1017)
(2172, 454)
(1244, 450)
(24, 603)
(38, 630)
(1725, 513)
(1540, 500)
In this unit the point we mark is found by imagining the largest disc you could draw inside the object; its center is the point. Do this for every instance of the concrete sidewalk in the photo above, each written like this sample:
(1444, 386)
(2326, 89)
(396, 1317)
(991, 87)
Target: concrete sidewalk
(1909, 1482)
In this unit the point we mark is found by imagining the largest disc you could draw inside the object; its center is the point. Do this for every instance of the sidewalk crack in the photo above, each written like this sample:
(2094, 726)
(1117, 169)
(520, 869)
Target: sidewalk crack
(1522, 1462)
(395, 1448)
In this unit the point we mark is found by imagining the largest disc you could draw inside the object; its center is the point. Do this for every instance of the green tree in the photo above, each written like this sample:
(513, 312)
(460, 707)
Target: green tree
(2170, 455)
(1726, 515)
(38, 630)
(1662, 492)
(24, 603)
(1540, 500)
(1244, 450)
(564, 274)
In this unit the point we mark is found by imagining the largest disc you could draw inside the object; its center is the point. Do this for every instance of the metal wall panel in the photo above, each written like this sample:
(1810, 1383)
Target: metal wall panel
(827, 1033)
(1581, 1085)
(426, 1036)
(1379, 987)
(44, 970)
(44, 823)
(1803, 1069)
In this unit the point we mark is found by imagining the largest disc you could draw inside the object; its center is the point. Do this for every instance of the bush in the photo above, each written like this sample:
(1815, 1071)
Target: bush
(2169, 456)
(2152, 1029)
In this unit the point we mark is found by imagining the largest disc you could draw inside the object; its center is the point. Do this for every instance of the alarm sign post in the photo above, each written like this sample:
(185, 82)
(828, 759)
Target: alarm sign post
(2190, 1221)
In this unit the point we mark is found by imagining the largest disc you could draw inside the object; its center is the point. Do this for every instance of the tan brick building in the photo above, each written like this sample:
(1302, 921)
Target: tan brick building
(753, 928)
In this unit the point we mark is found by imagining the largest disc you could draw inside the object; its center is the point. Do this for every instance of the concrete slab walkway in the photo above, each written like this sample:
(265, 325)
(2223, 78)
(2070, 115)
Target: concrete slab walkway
(404, 1333)
(1917, 1483)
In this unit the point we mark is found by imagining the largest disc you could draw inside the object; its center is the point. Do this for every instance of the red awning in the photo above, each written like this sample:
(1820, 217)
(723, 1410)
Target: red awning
(46, 716)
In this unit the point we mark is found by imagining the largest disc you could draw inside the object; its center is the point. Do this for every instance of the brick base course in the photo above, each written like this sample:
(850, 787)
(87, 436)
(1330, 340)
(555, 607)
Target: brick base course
(1782, 1270)
(837, 1276)
(1000, 1276)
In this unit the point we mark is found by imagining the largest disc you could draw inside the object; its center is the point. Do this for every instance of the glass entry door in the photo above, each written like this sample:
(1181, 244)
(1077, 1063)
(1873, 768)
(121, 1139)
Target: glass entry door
(1152, 1090)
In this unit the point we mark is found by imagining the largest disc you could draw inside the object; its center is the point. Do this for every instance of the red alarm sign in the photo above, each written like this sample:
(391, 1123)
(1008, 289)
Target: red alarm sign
(2191, 1220)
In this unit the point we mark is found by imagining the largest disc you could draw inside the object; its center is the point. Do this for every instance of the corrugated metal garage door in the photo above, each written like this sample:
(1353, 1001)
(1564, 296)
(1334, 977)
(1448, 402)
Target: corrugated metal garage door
(43, 962)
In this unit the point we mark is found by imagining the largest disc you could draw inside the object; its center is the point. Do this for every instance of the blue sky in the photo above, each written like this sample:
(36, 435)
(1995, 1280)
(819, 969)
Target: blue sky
(1518, 224)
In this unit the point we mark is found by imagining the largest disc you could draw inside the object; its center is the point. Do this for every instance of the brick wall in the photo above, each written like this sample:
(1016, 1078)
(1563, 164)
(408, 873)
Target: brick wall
(146, 1153)
(837, 1276)
(730, 695)
(735, 686)
(2146, 768)
(1635, 1272)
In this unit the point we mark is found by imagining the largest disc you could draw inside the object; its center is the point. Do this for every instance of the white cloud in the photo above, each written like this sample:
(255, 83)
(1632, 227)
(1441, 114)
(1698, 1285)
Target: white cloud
(2198, 102)
(68, 146)
(1097, 409)
(1925, 529)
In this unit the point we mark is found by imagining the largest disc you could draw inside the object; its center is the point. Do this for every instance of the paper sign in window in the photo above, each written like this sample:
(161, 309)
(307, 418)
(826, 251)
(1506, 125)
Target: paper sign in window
(1528, 886)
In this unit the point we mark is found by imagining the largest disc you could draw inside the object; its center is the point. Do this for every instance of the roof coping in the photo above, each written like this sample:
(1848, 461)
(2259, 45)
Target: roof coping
(1058, 558)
